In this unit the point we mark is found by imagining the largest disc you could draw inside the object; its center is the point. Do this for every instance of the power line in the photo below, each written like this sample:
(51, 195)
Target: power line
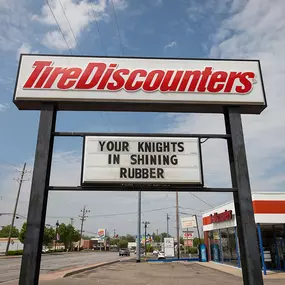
(201, 200)
(59, 27)
(70, 28)
(190, 209)
(113, 214)
(118, 30)
(100, 36)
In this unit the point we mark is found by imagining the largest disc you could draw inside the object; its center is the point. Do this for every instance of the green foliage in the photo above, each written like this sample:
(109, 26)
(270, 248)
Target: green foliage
(192, 250)
(123, 243)
(196, 242)
(157, 238)
(181, 240)
(49, 234)
(68, 235)
(130, 238)
(114, 241)
(149, 248)
(164, 235)
(15, 252)
(4, 232)
(23, 232)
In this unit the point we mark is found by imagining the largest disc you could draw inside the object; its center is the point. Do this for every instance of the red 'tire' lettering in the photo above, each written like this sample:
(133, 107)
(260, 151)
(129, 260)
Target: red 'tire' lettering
(100, 76)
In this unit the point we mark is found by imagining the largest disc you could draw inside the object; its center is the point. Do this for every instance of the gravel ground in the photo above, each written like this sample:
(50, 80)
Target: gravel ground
(153, 274)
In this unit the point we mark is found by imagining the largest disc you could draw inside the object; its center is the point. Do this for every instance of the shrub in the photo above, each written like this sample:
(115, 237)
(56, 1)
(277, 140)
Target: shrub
(15, 252)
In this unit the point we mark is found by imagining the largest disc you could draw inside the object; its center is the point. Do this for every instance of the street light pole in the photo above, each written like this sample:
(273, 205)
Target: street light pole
(56, 233)
(145, 227)
(167, 224)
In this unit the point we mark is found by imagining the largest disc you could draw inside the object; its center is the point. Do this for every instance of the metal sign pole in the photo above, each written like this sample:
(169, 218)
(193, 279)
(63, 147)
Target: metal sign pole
(249, 253)
(31, 259)
(139, 228)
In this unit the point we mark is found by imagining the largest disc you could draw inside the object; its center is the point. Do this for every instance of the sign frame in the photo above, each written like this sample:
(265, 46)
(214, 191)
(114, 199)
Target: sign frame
(69, 105)
(40, 186)
(158, 184)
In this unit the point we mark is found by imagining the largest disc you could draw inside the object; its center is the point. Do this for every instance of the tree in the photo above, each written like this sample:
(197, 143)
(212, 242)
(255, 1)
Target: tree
(49, 234)
(123, 243)
(23, 232)
(164, 235)
(114, 241)
(4, 232)
(130, 238)
(196, 241)
(181, 240)
(68, 235)
(157, 238)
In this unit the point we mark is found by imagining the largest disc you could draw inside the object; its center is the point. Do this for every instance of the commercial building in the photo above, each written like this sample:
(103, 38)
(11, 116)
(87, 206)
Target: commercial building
(221, 238)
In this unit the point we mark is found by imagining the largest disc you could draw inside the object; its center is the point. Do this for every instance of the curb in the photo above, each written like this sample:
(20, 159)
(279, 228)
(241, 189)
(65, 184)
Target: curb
(74, 272)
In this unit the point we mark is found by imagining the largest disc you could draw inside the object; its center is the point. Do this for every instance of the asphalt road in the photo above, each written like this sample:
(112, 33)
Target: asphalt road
(10, 267)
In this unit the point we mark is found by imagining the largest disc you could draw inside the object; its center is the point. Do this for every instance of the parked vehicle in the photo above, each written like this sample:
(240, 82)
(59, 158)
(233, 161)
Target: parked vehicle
(124, 251)
(161, 255)
(155, 252)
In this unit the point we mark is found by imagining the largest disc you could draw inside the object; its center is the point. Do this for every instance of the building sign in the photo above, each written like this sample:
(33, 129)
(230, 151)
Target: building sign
(188, 242)
(188, 235)
(169, 247)
(101, 233)
(70, 80)
(141, 160)
(222, 217)
(188, 222)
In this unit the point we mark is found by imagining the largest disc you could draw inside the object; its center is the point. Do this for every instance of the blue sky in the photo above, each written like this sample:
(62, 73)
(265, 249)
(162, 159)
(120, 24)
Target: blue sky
(162, 28)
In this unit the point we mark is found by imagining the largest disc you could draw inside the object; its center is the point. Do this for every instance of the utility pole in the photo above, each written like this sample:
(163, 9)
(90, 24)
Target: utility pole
(198, 229)
(139, 227)
(82, 219)
(145, 227)
(167, 224)
(177, 226)
(114, 233)
(15, 208)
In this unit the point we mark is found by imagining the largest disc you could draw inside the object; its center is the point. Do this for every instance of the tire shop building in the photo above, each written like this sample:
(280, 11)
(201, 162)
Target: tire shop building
(220, 231)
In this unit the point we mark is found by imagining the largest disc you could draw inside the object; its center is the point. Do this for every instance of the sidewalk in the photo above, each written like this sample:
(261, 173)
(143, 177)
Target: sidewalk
(271, 275)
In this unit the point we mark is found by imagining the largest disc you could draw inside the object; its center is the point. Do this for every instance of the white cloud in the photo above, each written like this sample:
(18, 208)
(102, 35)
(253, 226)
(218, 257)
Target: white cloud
(25, 48)
(3, 107)
(170, 45)
(80, 15)
(254, 30)
(14, 19)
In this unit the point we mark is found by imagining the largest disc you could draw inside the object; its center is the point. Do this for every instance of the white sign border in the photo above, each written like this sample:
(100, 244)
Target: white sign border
(141, 182)
(117, 105)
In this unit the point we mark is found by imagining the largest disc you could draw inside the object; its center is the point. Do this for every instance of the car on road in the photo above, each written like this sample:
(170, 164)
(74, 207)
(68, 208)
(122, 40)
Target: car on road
(161, 255)
(124, 251)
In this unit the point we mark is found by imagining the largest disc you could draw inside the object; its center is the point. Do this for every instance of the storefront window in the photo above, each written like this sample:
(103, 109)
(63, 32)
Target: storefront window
(223, 246)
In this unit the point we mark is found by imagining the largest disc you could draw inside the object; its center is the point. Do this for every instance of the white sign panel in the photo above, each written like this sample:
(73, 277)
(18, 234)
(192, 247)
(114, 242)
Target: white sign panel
(169, 247)
(138, 80)
(141, 160)
(188, 222)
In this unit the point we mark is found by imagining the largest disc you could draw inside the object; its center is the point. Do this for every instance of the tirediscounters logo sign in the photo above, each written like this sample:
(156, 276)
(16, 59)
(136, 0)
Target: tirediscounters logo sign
(137, 80)
(141, 160)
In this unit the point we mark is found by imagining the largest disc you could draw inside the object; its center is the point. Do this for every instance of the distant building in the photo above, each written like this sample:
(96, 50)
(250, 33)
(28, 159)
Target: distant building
(15, 244)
